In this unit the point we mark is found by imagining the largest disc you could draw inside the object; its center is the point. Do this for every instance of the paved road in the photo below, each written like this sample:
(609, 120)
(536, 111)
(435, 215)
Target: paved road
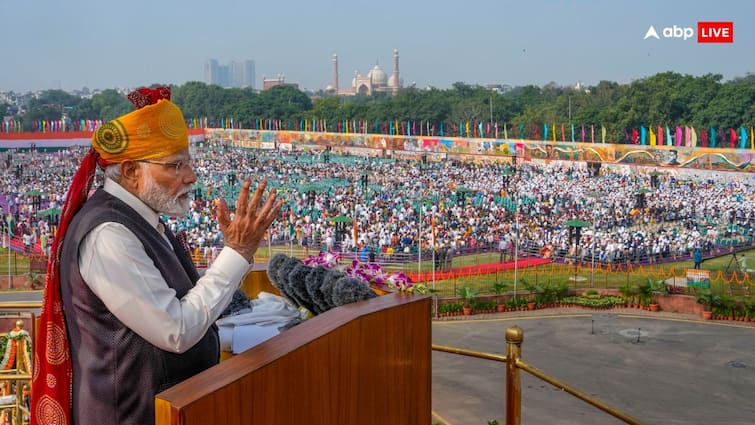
(681, 371)
(20, 296)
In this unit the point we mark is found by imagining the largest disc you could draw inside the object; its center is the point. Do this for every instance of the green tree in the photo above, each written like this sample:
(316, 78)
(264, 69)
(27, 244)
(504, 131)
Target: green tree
(283, 102)
(50, 105)
(110, 104)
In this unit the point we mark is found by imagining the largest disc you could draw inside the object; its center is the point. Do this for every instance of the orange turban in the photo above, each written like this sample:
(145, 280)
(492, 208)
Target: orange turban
(153, 131)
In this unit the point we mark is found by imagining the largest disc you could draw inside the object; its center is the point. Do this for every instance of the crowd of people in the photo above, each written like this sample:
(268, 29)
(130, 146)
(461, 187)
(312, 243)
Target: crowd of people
(401, 206)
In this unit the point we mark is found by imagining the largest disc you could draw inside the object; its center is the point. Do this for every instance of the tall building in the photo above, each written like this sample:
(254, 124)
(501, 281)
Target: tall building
(234, 74)
(211, 72)
(249, 75)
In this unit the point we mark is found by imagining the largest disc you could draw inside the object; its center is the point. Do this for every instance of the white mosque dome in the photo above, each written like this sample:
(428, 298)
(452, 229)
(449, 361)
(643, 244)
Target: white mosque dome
(377, 76)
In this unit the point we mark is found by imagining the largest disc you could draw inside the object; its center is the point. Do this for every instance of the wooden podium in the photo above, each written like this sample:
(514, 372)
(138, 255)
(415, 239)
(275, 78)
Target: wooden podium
(364, 363)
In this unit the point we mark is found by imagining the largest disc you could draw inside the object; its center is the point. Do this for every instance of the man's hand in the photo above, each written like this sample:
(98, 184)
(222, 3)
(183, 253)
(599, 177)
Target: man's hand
(251, 221)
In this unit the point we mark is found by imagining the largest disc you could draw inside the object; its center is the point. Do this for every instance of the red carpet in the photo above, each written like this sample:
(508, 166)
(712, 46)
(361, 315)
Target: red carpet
(476, 270)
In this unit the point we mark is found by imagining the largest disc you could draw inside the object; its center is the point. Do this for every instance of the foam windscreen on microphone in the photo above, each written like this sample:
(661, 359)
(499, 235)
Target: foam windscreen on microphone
(348, 290)
(313, 282)
(297, 285)
(328, 283)
(273, 266)
(239, 303)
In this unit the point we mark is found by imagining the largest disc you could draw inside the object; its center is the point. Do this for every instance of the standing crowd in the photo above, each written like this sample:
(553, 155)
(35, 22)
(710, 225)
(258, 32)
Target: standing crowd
(401, 206)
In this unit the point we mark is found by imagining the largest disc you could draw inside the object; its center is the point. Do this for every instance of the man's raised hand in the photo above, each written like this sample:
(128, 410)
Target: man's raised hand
(251, 220)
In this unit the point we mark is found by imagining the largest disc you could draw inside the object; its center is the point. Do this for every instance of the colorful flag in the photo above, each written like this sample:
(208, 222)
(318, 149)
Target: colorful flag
(733, 138)
(660, 136)
(687, 136)
(704, 137)
(712, 137)
(678, 136)
(743, 140)
(602, 134)
(643, 135)
(652, 137)
(694, 136)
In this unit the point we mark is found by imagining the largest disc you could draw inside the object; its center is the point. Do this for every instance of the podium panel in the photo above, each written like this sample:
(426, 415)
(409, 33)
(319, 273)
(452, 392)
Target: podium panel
(364, 363)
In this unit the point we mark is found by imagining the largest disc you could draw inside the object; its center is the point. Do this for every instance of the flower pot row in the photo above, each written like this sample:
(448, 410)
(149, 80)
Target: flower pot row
(707, 315)
(466, 311)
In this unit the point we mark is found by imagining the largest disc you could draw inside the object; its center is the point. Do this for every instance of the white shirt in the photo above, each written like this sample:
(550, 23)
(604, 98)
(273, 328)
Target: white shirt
(117, 269)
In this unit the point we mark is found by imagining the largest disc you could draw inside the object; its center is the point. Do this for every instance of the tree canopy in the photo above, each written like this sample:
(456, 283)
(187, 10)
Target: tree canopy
(663, 99)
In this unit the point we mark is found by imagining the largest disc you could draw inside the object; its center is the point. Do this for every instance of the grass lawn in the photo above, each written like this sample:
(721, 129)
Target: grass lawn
(553, 274)
(19, 263)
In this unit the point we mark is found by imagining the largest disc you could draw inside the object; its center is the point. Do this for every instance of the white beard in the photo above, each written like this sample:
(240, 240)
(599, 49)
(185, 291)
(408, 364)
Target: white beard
(157, 198)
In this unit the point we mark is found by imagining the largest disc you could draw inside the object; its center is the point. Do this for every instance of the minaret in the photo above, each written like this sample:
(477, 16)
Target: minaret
(335, 73)
(396, 80)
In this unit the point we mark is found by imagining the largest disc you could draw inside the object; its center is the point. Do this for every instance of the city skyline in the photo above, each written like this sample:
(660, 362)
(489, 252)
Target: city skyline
(234, 74)
(84, 43)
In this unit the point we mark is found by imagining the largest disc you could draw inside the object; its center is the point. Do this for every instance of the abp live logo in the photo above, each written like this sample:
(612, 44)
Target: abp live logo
(715, 32)
(707, 32)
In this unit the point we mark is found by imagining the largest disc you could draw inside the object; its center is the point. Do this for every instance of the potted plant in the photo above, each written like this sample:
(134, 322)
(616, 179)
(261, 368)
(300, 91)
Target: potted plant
(550, 295)
(750, 312)
(500, 288)
(657, 287)
(560, 292)
(34, 279)
(728, 306)
(628, 291)
(468, 295)
(535, 294)
(708, 299)
(644, 294)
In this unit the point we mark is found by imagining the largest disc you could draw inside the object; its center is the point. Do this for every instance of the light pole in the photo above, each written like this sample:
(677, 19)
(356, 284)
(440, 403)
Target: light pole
(432, 234)
(594, 245)
(7, 226)
(516, 243)
(419, 240)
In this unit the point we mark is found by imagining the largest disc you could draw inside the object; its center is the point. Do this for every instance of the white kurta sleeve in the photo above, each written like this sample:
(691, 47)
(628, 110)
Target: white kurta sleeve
(116, 268)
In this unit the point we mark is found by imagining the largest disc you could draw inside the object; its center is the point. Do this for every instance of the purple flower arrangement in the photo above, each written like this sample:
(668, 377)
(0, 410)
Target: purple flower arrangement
(370, 273)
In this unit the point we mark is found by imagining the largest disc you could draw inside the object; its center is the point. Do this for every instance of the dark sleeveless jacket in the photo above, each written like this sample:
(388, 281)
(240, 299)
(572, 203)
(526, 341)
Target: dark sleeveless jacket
(116, 373)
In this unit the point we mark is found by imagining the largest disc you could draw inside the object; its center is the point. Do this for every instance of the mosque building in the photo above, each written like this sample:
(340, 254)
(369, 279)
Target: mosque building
(376, 80)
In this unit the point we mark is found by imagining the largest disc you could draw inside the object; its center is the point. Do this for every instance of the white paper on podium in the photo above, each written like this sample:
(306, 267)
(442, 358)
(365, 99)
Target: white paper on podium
(247, 336)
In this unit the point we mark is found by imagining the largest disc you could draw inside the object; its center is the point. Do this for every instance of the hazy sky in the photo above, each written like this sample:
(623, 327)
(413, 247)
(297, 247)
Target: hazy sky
(69, 44)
